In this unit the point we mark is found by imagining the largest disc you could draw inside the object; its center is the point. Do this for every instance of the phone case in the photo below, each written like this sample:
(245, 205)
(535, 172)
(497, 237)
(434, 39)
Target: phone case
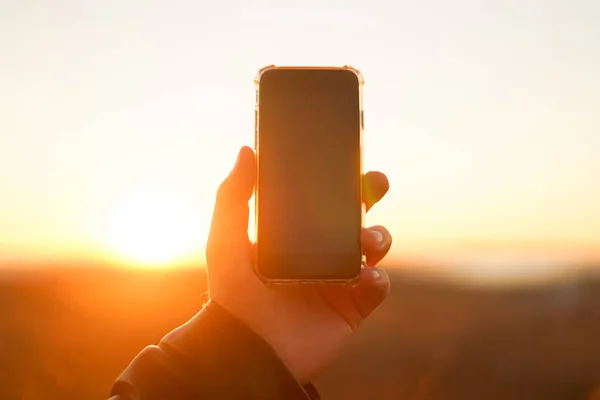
(270, 281)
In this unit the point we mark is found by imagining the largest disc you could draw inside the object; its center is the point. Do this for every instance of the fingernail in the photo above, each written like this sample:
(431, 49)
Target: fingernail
(375, 274)
(378, 236)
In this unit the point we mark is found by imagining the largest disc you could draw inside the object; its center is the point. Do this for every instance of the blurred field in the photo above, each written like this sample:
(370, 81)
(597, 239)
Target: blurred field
(66, 334)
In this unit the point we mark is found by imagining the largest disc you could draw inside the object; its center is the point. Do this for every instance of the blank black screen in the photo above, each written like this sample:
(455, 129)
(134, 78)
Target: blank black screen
(309, 174)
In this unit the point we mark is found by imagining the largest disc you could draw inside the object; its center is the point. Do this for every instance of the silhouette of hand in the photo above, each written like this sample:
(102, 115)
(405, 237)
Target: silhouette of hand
(307, 325)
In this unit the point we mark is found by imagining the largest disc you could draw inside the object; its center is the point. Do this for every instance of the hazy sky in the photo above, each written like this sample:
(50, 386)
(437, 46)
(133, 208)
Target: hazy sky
(485, 115)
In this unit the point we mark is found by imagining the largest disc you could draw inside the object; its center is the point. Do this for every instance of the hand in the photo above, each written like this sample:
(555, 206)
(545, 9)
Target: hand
(307, 325)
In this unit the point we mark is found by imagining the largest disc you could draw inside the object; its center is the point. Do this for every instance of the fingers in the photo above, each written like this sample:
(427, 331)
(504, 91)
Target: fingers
(371, 290)
(375, 186)
(230, 217)
(376, 241)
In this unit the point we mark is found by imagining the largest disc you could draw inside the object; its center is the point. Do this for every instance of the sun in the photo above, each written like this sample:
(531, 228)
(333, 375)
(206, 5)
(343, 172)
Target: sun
(153, 229)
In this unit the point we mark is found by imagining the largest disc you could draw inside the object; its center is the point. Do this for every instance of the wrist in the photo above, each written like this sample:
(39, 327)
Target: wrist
(306, 348)
(216, 343)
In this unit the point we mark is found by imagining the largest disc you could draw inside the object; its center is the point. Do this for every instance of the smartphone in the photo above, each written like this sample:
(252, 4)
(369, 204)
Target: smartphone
(308, 205)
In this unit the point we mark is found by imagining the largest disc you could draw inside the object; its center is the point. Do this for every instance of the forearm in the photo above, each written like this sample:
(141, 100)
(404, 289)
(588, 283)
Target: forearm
(212, 356)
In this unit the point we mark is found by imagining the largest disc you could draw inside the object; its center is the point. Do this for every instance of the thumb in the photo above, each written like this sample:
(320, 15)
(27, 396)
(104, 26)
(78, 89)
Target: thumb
(229, 225)
(371, 290)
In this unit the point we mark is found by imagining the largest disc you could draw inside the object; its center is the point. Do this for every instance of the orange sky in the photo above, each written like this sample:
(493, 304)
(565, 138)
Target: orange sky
(120, 116)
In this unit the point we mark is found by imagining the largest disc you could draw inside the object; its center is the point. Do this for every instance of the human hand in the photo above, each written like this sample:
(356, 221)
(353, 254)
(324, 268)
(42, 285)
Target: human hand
(306, 325)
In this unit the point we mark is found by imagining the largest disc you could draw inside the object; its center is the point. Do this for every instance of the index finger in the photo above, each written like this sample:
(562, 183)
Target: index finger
(375, 186)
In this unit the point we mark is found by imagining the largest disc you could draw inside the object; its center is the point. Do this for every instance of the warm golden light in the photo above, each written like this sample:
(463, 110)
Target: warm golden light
(478, 149)
(152, 230)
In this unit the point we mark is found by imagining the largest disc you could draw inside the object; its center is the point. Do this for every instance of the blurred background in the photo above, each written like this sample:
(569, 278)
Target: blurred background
(119, 119)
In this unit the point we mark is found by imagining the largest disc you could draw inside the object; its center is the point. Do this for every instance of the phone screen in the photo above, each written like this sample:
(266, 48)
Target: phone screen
(309, 203)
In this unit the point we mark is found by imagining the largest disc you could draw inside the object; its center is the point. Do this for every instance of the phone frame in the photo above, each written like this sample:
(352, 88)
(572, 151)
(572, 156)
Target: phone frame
(271, 281)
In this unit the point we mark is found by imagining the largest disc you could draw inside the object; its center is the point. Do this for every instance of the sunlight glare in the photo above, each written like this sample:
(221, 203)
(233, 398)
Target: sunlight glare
(152, 230)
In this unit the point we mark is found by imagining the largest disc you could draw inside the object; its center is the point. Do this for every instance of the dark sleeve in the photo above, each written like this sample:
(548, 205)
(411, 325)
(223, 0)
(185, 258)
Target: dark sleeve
(212, 356)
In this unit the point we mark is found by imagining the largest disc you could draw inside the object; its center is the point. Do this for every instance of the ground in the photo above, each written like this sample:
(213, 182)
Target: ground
(67, 333)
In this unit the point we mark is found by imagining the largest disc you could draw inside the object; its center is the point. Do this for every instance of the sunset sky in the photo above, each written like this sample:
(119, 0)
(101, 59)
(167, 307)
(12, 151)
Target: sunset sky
(119, 116)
